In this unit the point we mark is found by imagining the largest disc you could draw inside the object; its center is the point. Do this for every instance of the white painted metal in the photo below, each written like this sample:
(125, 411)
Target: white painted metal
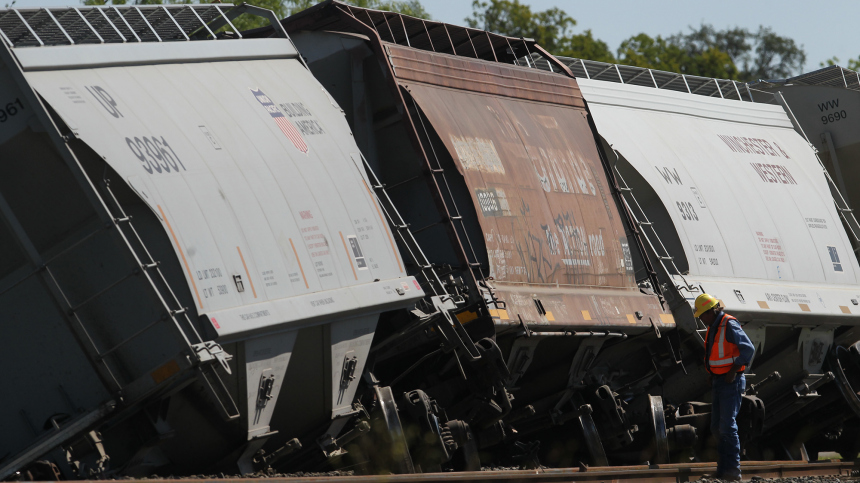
(758, 228)
(267, 357)
(815, 344)
(107, 55)
(242, 201)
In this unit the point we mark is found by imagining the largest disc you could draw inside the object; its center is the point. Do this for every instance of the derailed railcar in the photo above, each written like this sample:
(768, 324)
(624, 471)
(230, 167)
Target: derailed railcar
(193, 265)
(494, 168)
(740, 208)
(823, 105)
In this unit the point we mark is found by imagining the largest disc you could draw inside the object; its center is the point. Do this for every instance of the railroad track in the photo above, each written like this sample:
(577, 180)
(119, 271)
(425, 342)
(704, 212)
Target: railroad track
(681, 472)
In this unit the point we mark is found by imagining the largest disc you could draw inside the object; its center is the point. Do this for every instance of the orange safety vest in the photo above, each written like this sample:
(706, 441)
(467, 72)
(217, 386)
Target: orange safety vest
(722, 353)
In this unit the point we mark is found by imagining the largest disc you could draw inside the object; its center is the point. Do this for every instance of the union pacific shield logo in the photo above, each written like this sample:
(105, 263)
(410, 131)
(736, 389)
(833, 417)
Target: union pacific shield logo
(283, 123)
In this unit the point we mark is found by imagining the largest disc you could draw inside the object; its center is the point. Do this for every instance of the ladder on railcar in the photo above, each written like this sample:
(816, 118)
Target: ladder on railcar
(649, 232)
(453, 330)
(403, 233)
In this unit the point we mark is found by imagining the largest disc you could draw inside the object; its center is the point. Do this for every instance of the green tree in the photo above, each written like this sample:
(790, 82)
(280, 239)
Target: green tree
(651, 52)
(548, 28)
(552, 28)
(853, 64)
(729, 54)
(585, 46)
(774, 57)
(677, 53)
(831, 61)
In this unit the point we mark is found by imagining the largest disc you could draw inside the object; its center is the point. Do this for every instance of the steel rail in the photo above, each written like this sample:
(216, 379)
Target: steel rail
(679, 472)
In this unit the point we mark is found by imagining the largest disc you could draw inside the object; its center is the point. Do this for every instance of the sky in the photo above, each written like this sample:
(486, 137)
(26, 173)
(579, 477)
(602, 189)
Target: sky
(825, 29)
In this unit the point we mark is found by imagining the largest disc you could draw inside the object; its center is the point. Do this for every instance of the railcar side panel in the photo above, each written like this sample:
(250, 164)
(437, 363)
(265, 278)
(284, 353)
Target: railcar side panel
(745, 194)
(557, 250)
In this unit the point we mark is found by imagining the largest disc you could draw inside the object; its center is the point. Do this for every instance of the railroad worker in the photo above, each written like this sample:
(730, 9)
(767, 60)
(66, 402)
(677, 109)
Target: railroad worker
(728, 351)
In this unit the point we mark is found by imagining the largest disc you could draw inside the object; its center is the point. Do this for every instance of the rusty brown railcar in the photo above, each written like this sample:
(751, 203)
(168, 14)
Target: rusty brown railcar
(493, 166)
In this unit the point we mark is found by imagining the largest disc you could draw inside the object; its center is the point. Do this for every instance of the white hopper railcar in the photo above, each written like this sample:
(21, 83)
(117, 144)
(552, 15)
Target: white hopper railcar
(192, 263)
(737, 205)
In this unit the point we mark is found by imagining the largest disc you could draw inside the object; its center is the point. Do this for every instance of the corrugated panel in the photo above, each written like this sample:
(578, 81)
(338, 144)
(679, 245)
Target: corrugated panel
(556, 244)
(482, 76)
(745, 193)
(252, 170)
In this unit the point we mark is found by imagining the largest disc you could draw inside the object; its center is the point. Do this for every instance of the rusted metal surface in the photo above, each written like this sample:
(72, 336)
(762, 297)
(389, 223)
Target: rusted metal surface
(556, 245)
(656, 473)
(481, 76)
(572, 306)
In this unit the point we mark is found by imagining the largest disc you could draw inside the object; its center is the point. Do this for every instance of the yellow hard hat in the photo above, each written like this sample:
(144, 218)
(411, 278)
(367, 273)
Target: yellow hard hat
(704, 303)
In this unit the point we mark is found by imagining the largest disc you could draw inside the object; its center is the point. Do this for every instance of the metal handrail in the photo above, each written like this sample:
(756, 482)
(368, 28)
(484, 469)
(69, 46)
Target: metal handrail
(44, 27)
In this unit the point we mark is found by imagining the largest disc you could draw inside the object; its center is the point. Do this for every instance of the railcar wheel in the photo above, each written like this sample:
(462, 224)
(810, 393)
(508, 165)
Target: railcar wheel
(658, 423)
(592, 439)
(466, 458)
(394, 457)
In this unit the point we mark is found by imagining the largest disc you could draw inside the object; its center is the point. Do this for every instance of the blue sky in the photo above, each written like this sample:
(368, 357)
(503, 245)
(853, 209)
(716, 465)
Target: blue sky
(825, 28)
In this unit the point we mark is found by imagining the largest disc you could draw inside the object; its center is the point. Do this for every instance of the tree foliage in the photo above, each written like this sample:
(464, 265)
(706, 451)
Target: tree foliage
(694, 54)
(552, 28)
(730, 54)
(774, 56)
(673, 55)
(548, 28)
(585, 46)
(734, 53)
(853, 64)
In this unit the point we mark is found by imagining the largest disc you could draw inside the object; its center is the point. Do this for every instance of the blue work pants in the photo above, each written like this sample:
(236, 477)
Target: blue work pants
(724, 411)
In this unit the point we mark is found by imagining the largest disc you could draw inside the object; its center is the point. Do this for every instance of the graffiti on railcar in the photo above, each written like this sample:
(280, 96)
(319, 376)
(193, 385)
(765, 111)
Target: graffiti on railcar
(538, 187)
(532, 252)
(554, 167)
